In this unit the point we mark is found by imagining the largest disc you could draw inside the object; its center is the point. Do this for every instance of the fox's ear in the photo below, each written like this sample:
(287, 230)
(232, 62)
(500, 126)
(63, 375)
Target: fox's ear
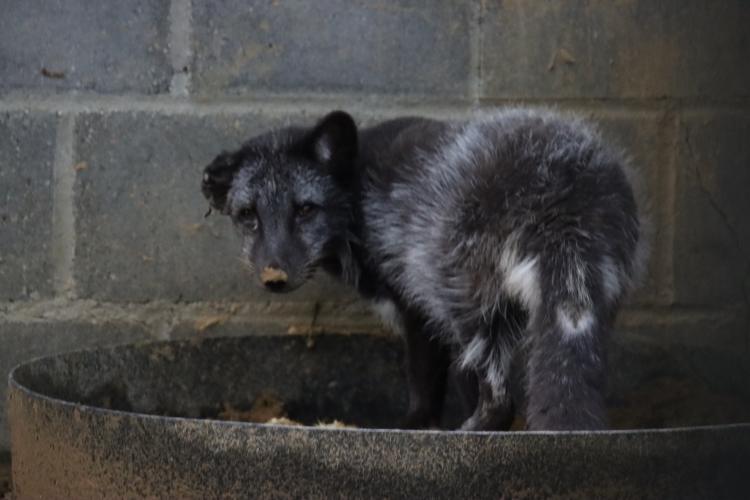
(333, 141)
(217, 179)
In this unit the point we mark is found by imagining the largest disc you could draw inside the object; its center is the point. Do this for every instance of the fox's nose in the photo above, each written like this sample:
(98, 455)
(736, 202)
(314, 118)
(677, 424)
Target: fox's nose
(273, 277)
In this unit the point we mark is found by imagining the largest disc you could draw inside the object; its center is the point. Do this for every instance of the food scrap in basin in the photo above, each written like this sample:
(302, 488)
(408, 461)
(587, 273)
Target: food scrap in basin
(269, 409)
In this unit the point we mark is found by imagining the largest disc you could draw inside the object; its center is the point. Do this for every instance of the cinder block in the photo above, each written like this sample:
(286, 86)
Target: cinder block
(699, 339)
(107, 47)
(25, 341)
(308, 319)
(400, 47)
(712, 234)
(141, 235)
(27, 145)
(141, 231)
(637, 48)
(645, 139)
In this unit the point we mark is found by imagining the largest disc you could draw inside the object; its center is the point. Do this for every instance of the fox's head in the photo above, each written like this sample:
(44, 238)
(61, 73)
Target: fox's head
(288, 193)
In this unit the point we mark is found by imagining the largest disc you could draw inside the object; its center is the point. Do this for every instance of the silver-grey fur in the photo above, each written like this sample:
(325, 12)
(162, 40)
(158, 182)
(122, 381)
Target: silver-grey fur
(515, 228)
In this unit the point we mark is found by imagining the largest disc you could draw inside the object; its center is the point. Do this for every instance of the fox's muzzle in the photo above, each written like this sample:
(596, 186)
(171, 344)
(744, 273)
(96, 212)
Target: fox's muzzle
(274, 278)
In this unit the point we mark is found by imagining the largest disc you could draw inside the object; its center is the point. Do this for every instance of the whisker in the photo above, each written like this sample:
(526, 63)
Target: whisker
(246, 264)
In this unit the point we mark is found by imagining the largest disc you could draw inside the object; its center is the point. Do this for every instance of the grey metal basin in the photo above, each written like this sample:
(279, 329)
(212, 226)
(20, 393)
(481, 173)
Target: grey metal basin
(141, 421)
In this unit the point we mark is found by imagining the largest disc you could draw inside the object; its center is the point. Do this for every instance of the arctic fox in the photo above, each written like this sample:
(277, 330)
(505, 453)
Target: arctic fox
(473, 238)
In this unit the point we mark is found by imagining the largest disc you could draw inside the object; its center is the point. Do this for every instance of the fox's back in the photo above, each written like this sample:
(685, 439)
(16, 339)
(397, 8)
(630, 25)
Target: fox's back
(442, 201)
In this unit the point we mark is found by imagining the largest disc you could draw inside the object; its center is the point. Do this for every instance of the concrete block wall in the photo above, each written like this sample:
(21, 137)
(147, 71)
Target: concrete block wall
(110, 110)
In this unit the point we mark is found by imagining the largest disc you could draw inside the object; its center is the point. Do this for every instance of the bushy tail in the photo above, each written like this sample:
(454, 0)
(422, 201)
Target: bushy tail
(566, 373)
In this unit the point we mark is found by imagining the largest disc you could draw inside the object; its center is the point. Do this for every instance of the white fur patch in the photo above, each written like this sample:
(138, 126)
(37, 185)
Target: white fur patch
(610, 279)
(472, 355)
(574, 323)
(323, 150)
(576, 281)
(523, 280)
(389, 315)
(496, 377)
(521, 276)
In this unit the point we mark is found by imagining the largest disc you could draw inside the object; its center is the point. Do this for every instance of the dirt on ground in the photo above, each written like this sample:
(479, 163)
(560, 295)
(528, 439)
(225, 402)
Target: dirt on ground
(269, 409)
(265, 407)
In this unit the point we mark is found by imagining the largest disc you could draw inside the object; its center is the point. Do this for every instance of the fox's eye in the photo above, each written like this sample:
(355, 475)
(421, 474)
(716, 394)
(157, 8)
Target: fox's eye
(248, 217)
(246, 213)
(306, 209)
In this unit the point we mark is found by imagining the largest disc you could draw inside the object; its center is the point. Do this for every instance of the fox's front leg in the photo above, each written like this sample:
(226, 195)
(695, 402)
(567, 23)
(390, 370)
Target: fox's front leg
(427, 364)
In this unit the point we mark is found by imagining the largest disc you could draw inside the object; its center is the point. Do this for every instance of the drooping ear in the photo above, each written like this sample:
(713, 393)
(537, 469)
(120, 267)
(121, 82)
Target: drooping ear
(217, 179)
(333, 142)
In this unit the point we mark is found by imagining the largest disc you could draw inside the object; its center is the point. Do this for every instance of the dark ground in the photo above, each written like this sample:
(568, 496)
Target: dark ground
(4, 480)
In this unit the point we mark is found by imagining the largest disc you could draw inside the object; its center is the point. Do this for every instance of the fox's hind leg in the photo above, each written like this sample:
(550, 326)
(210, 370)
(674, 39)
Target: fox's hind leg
(494, 410)
(566, 364)
(489, 353)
